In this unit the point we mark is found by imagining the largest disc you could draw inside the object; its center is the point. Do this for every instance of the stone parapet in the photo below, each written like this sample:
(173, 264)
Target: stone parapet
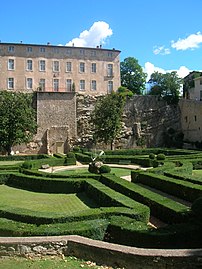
(102, 252)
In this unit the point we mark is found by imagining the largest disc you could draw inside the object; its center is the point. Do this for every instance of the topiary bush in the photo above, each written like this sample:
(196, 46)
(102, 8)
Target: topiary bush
(104, 169)
(160, 157)
(152, 156)
(27, 165)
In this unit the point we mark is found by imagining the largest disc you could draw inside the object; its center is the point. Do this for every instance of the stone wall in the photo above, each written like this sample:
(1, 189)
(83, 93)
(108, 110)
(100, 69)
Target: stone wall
(55, 110)
(145, 119)
(101, 252)
(191, 120)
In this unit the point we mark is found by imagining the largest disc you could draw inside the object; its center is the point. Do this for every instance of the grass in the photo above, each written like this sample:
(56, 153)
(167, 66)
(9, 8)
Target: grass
(197, 173)
(119, 172)
(47, 263)
(10, 162)
(44, 202)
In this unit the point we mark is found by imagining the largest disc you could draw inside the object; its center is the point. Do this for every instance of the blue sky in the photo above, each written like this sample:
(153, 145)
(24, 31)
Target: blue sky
(163, 35)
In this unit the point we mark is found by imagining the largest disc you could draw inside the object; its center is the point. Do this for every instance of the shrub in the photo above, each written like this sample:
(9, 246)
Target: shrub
(104, 169)
(152, 156)
(160, 157)
(70, 155)
(197, 208)
(27, 165)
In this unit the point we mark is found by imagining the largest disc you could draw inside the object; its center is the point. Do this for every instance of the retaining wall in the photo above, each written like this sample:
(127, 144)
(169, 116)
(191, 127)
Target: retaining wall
(102, 252)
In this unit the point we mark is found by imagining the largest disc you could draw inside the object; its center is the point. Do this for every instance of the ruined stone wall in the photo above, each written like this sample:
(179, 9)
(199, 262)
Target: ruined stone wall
(55, 109)
(145, 119)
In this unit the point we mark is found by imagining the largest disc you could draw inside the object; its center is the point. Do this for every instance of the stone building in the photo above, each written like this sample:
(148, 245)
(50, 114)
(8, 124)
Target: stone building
(30, 67)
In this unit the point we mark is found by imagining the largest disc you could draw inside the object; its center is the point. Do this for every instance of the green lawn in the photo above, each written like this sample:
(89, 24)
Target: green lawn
(120, 172)
(47, 263)
(44, 202)
(197, 173)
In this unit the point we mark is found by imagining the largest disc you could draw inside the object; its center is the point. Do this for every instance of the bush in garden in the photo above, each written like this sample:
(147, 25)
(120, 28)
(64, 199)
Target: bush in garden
(152, 156)
(160, 157)
(104, 169)
(27, 165)
(197, 208)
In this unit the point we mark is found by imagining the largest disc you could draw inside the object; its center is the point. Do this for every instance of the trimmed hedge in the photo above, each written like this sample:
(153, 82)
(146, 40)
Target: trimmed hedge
(23, 157)
(106, 196)
(46, 185)
(182, 189)
(161, 207)
(94, 229)
(123, 230)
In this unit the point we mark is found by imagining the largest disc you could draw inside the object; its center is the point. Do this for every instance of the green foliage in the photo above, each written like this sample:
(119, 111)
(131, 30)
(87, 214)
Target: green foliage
(17, 119)
(70, 159)
(161, 207)
(173, 138)
(27, 165)
(197, 208)
(160, 157)
(132, 75)
(104, 169)
(152, 156)
(106, 118)
(166, 86)
(123, 91)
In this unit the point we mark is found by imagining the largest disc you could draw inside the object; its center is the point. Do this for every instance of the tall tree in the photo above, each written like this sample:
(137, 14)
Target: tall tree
(167, 86)
(132, 75)
(106, 118)
(17, 119)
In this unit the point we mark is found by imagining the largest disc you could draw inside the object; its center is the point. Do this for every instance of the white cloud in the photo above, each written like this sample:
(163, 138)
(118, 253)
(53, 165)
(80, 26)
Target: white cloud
(150, 68)
(161, 50)
(191, 42)
(95, 36)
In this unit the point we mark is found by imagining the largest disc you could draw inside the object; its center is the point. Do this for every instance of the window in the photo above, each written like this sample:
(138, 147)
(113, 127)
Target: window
(69, 52)
(93, 68)
(10, 83)
(110, 54)
(29, 65)
(195, 117)
(186, 118)
(93, 53)
(69, 85)
(29, 49)
(200, 95)
(56, 66)
(82, 85)
(29, 83)
(11, 49)
(11, 64)
(110, 70)
(42, 50)
(42, 84)
(55, 50)
(42, 65)
(82, 67)
(82, 52)
(68, 67)
(110, 86)
(93, 85)
(56, 85)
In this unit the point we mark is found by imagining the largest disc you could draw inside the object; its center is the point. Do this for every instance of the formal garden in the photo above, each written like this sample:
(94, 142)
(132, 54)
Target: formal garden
(103, 205)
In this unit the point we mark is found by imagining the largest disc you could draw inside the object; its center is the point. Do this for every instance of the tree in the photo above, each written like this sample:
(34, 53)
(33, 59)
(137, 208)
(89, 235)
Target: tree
(167, 86)
(132, 75)
(106, 118)
(17, 119)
